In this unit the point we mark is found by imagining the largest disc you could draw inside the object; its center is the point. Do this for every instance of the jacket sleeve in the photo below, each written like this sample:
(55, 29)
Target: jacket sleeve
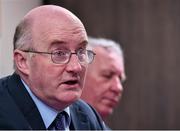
(82, 111)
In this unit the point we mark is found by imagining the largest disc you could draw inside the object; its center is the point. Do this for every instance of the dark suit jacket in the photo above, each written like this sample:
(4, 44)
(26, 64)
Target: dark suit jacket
(18, 111)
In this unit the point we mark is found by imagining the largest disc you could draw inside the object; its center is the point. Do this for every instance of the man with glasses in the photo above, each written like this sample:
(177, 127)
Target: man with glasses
(50, 60)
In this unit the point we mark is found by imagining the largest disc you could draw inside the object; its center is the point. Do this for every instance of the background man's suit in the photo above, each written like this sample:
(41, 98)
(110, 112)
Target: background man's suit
(18, 111)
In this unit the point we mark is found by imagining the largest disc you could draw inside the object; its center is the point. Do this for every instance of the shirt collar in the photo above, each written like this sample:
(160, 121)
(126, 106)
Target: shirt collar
(48, 114)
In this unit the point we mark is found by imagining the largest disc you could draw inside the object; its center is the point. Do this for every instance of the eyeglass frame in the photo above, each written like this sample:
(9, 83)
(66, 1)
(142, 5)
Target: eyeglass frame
(69, 57)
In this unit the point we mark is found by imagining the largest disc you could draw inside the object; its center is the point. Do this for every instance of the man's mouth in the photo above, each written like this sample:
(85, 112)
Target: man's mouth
(71, 82)
(72, 85)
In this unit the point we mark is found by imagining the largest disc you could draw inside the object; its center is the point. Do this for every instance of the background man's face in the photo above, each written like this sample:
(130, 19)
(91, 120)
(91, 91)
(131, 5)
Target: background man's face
(103, 81)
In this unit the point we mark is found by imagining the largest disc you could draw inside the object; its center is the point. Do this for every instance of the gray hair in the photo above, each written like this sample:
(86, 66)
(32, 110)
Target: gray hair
(22, 36)
(107, 44)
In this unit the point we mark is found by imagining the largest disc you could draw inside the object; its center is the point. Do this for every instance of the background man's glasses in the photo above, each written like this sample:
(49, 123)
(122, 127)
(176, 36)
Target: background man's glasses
(63, 56)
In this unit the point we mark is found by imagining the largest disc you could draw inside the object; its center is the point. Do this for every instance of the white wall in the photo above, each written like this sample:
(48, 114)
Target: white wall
(11, 13)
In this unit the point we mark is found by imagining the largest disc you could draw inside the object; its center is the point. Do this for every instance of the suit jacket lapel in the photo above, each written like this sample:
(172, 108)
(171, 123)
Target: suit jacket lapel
(25, 102)
(79, 120)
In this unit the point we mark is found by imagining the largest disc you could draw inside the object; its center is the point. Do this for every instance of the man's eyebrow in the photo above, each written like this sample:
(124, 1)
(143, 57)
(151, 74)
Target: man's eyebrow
(84, 43)
(55, 42)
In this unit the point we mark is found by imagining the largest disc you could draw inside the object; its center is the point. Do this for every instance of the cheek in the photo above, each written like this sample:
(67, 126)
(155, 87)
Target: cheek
(104, 85)
(100, 86)
(103, 88)
(41, 69)
(83, 72)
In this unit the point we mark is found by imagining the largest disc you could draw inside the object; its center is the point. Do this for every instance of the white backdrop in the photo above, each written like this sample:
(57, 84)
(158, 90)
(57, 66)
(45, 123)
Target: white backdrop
(11, 13)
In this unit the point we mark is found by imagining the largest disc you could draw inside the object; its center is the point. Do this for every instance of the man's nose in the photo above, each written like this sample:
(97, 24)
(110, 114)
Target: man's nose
(116, 85)
(74, 65)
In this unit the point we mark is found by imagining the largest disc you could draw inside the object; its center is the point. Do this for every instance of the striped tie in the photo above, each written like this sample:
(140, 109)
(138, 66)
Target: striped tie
(60, 121)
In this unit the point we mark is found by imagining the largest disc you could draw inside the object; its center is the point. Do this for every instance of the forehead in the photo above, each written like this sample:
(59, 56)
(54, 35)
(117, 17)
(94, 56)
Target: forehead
(64, 44)
(108, 60)
(56, 30)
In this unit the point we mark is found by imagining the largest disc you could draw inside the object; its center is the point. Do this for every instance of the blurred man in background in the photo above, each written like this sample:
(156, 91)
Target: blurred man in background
(103, 85)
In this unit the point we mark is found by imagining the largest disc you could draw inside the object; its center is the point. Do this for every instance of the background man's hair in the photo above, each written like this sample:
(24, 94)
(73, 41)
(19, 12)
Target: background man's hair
(107, 44)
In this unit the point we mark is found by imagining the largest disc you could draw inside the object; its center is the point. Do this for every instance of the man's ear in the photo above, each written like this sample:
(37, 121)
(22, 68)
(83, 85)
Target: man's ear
(21, 61)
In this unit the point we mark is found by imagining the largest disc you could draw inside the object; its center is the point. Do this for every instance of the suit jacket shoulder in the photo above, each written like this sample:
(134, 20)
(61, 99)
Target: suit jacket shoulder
(17, 109)
(84, 117)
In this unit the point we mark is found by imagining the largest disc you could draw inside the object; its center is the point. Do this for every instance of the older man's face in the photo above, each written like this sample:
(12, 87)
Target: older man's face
(103, 81)
(58, 85)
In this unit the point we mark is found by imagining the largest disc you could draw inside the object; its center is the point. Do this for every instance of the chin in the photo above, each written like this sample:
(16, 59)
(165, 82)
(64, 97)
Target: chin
(72, 98)
(107, 112)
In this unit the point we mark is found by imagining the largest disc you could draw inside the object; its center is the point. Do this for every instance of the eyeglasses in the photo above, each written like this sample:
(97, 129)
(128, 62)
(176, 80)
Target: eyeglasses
(63, 56)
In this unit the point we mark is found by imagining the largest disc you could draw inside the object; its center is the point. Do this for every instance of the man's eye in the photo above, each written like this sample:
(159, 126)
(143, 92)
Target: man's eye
(60, 53)
(107, 76)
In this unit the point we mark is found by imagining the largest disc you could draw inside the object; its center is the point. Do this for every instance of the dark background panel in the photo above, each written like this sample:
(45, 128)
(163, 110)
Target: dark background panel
(148, 31)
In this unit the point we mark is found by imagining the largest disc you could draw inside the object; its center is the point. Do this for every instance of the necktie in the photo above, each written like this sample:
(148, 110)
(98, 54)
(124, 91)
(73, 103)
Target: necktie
(60, 121)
